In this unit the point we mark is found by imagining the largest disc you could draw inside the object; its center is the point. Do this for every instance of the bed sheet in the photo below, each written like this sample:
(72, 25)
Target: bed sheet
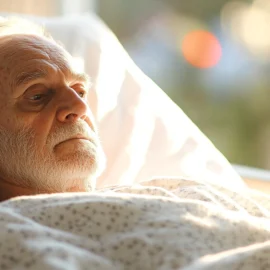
(160, 224)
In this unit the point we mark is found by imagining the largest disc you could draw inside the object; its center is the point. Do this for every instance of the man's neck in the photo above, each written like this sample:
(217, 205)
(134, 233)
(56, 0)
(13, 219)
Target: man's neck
(8, 191)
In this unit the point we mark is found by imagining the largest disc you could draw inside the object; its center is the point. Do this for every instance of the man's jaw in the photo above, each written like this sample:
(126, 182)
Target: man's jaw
(40, 169)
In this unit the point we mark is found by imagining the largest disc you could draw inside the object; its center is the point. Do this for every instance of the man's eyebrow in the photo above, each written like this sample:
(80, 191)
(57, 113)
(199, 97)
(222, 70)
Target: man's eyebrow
(26, 77)
(81, 77)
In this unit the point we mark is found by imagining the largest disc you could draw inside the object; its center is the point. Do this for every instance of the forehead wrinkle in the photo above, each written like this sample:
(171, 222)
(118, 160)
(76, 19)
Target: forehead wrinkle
(52, 56)
(26, 77)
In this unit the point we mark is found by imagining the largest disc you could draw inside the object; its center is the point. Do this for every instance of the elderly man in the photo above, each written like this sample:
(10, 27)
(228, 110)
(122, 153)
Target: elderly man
(48, 138)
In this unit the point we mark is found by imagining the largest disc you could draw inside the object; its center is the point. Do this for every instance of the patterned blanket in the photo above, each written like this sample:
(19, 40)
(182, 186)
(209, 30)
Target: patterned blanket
(161, 224)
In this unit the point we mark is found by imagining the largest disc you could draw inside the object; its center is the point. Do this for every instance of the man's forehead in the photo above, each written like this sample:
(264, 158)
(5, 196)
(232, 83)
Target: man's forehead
(24, 47)
(28, 57)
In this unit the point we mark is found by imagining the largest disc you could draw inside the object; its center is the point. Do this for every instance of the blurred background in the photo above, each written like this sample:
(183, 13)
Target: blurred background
(211, 57)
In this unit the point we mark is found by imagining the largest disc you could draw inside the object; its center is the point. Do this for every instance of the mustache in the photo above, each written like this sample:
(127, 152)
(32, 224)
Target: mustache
(66, 132)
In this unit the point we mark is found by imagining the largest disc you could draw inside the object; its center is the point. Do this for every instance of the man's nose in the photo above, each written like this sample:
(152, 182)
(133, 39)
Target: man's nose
(72, 107)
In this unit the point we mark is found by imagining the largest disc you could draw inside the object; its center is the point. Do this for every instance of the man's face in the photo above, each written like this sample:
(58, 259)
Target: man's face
(48, 140)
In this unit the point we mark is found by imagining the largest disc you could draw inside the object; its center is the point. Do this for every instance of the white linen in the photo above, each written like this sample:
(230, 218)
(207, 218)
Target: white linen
(178, 225)
(144, 134)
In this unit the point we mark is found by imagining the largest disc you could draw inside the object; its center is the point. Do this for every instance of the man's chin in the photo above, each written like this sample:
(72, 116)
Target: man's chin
(82, 162)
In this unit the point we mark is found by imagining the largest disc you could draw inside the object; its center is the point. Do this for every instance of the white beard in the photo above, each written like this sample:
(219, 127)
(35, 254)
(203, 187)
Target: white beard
(26, 165)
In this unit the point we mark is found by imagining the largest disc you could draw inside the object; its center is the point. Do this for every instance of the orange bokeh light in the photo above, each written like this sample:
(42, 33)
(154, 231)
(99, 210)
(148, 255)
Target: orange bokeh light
(201, 49)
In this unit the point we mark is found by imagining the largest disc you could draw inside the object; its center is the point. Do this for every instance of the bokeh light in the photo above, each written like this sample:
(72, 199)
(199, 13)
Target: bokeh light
(201, 49)
(249, 25)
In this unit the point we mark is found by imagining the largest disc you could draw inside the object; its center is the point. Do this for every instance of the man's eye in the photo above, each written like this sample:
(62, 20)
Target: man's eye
(82, 94)
(37, 97)
(80, 89)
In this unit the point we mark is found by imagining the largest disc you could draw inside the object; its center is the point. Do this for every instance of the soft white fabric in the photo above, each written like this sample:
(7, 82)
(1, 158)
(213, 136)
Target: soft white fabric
(144, 134)
(164, 224)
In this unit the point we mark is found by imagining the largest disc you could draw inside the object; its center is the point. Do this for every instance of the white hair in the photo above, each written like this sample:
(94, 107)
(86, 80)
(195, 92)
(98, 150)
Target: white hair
(16, 25)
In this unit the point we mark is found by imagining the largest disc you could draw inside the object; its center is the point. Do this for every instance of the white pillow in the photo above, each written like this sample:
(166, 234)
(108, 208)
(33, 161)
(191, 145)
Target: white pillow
(144, 134)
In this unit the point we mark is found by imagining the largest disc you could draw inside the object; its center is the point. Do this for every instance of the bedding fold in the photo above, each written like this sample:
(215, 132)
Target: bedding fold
(161, 224)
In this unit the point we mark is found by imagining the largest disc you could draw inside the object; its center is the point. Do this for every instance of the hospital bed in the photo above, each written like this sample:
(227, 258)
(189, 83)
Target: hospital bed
(255, 178)
(169, 222)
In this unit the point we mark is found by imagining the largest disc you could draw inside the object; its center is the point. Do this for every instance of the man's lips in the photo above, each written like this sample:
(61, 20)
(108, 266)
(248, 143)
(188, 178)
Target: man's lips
(78, 137)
